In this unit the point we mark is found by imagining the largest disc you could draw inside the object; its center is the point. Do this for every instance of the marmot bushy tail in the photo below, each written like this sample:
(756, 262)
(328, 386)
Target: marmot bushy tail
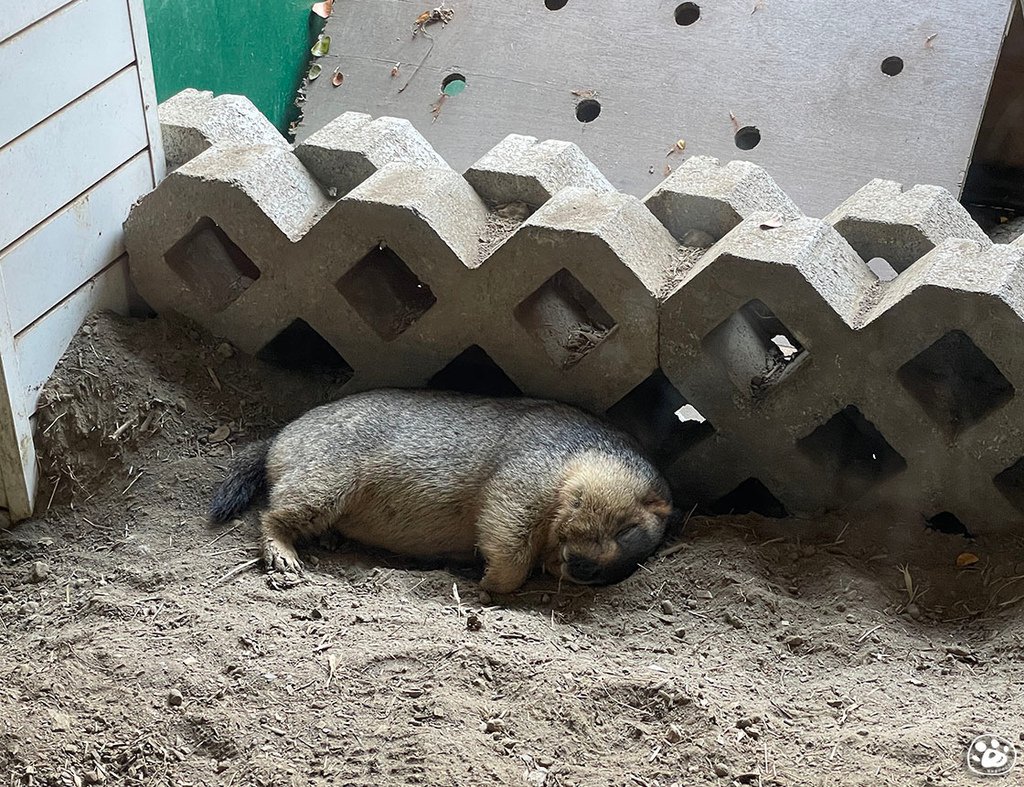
(246, 480)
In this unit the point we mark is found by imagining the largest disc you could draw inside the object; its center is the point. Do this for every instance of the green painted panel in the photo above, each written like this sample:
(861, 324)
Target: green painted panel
(257, 49)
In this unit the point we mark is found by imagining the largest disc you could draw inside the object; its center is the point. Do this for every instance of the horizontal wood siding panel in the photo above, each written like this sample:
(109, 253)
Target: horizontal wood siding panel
(50, 165)
(41, 346)
(94, 41)
(16, 15)
(71, 246)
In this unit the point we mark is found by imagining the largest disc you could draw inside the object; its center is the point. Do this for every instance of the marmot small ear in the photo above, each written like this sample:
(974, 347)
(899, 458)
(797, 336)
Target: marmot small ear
(570, 496)
(658, 507)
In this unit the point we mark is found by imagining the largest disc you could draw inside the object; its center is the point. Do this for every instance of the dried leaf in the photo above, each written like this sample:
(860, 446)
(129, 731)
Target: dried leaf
(323, 9)
(220, 434)
(337, 78)
(908, 583)
(770, 224)
(314, 72)
(584, 93)
(965, 559)
(322, 46)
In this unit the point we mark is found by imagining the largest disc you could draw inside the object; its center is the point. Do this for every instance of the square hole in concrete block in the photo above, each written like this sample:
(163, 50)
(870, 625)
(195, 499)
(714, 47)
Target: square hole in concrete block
(754, 347)
(660, 418)
(955, 382)
(565, 318)
(300, 348)
(851, 450)
(385, 293)
(215, 269)
(1011, 483)
(750, 497)
(474, 372)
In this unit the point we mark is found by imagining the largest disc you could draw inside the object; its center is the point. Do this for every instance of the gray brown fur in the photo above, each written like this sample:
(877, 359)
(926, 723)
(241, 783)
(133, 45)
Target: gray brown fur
(522, 482)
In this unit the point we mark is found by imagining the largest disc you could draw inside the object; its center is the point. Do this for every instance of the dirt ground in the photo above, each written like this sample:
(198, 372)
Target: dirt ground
(142, 647)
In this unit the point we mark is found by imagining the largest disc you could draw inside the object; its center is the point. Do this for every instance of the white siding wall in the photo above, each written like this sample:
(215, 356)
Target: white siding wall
(79, 143)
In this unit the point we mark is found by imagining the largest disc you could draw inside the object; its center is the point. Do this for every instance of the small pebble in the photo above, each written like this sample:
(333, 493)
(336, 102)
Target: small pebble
(668, 608)
(795, 641)
(851, 619)
(679, 633)
(473, 622)
(545, 762)
(222, 766)
(840, 607)
(545, 599)
(721, 771)
(674, 734)
(93, 777)
(733, 621)
(174, 698)
(914, 611)
(225, 350)
(484, 597)
(39, 571)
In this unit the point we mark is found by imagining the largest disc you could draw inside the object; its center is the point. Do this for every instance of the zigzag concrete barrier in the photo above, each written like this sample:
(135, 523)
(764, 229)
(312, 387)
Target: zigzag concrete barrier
(754, 351)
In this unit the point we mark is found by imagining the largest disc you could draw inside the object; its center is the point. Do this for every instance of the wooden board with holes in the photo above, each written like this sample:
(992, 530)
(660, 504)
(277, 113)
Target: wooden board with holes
(838, 93)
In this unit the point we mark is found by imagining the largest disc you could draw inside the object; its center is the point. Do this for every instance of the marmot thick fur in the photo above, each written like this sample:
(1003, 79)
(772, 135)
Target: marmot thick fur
(522, 482)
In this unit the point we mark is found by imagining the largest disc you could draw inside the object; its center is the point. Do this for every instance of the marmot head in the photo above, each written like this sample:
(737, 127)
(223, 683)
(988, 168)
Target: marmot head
(609, 517)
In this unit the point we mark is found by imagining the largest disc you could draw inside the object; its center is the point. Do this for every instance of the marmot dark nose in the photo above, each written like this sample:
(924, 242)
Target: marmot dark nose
(583, 569)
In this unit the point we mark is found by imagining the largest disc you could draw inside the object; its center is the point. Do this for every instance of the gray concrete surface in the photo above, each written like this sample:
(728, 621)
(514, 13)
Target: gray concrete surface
(799, 377)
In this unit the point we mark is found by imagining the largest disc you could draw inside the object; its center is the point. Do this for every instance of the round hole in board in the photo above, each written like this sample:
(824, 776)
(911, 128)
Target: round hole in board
(891, 66)
(748, 137)
(555, 5)
(687, 14)
(453, 84)
(588, 110)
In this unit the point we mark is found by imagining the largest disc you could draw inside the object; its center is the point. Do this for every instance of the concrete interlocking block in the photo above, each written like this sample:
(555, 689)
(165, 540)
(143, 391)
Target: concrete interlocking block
(943, 339)
(882, 221)
(762, 363)
(702, 200)
(194, 120)
(216, 241)
(353, 146)
(521, 169)
(572, 297)
(754, 333)
(386, 274)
